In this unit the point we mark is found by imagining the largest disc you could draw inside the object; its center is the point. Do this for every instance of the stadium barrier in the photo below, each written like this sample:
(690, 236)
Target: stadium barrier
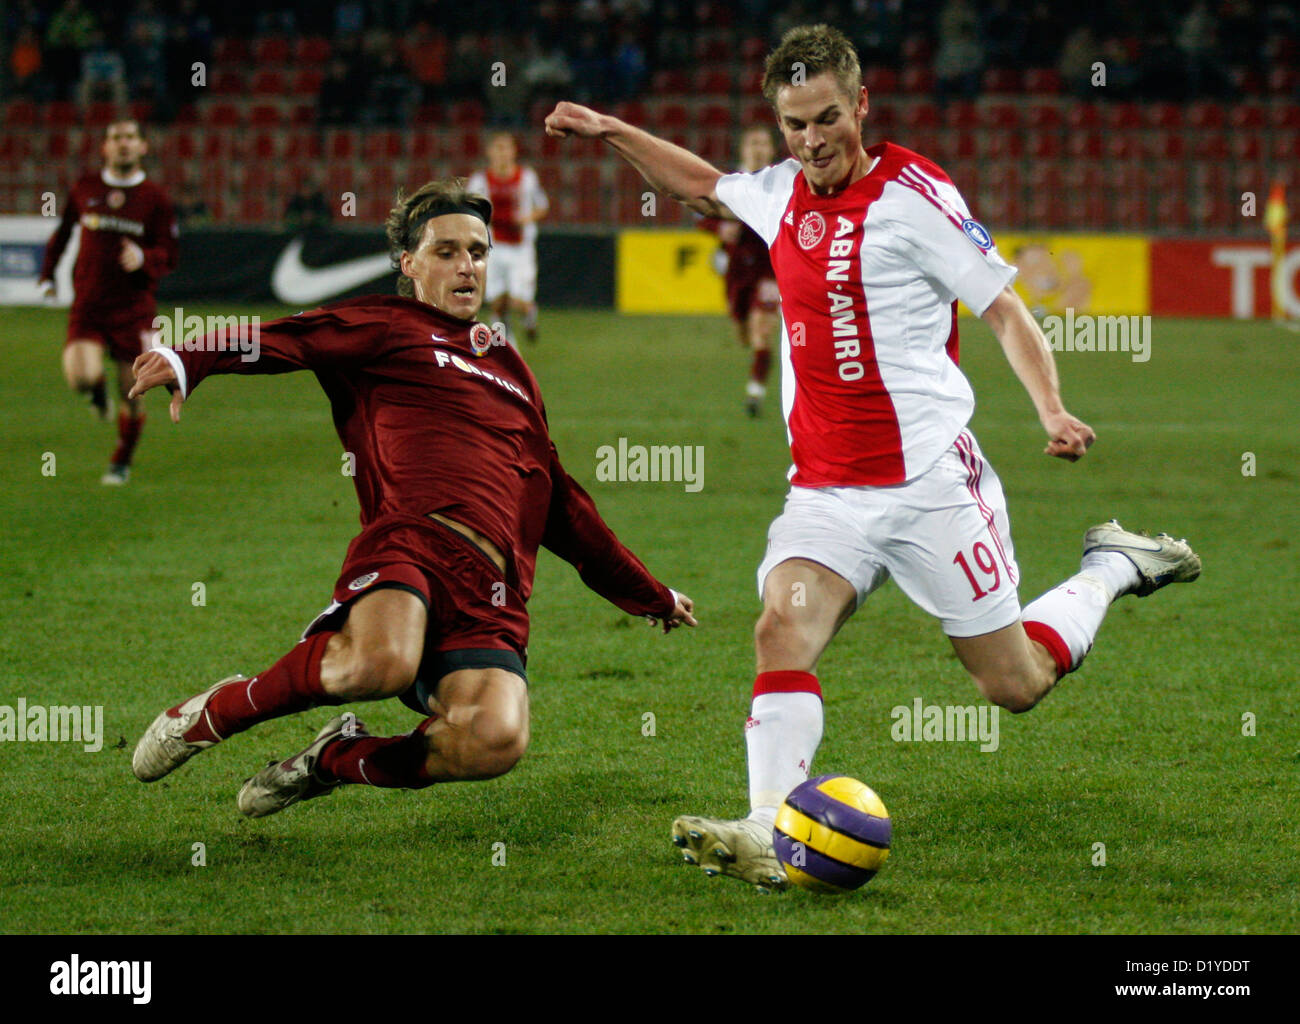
(674, 271)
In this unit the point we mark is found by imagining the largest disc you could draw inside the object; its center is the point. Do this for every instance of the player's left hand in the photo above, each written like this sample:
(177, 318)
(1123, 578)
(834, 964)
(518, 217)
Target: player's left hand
(1068, 438)
(132, 257)
(680, 615)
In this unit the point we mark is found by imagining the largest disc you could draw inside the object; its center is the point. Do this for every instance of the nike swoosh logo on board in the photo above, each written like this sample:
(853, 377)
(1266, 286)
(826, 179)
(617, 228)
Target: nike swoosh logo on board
(294, 283)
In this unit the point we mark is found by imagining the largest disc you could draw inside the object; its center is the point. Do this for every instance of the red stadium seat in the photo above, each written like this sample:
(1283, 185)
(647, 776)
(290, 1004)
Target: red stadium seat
(469, 146)
(671, 116)
(1000, 116)
(1004, 144)
(961, 114)
(269, 82)
(1284, 147)
(99, 115)
(431, 114)
(1246, 116)
(632, 111)
(1132, 212)
(231, 50)
(1284, 116)
(307, 82)
(714, 115)
(1045, 145)
(20, 114)
(426, 146)
(312, 50)
(1246, 147)
(1122, 145)
(227, 83)
(1043, 115)
(1121, 117)
(959, 145)
(1084, 144)
(1212, 146)
(1172, 212)
(467, 113)
(917, 79)
(713, 146)
(255, 209)
(1205, 116)
(1083, 116)
(708, 82)
(920, 115)
(1001, 81)
(1167, 145)
(264, 115)
(713, 47)
(882, 117)
(302, 115)
(381, 147)
(57, 146)
(265, 145)
(1283, 81)
(341, 144)
(221, 115)
(751, 82)
(667, 82)
(880, 79)
(754, 48)
(271, 50)
(304, 145)
(757, 112)
(1042, 81)
(1164, 115)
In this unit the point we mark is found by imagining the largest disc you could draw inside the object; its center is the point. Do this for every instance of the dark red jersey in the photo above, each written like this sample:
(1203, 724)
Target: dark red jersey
(134, 209)
(441, 419)
(747, 257)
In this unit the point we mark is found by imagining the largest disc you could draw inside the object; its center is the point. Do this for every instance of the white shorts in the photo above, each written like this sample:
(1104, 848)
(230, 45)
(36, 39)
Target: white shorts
(944, 537)
(512, 270)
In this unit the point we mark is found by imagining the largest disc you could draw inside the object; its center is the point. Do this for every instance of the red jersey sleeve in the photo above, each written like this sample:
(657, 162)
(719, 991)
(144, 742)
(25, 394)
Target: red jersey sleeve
(59, 240)
(321, 340)
(161, 243)
(576, 532)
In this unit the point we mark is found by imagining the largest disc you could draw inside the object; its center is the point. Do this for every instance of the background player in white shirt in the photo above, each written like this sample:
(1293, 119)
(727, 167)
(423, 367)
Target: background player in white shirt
(518, 203)
(871, 249)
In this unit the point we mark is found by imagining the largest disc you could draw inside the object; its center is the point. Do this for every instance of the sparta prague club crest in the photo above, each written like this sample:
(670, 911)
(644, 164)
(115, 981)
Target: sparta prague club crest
(812, 229)
(115, 199)
(480, 339)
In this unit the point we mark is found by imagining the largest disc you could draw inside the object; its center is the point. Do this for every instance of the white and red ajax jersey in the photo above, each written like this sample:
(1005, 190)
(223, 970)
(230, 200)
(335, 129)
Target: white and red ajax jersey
(869, 280)
(515, 196)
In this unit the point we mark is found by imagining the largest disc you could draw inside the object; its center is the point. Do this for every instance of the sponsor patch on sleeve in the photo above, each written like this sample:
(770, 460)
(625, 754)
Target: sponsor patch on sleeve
(978, 234)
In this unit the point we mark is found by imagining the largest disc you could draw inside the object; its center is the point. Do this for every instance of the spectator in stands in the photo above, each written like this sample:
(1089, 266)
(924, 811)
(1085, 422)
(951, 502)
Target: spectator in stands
(1197, 39)
(308, 207)
(468, 71)
(189, 42)
(591, 68)
(508, 95)
(1078, 54)
(1003, 30)
(959, 58)
(425, 54)
(630, 72)
(103, 73)
(340, 91)
(392, 94)
(69, 33)
(25, 64)
(192, 209)
(547, 73)
(146, 62)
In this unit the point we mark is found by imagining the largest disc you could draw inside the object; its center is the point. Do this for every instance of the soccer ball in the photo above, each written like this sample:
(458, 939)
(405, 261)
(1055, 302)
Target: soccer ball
(832, 834)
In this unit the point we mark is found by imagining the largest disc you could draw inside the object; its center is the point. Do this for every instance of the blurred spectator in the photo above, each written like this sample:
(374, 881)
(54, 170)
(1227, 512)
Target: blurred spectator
(468, 71)
(191, 208)
(425, 54)
(68, 35)
(340, 94)
(509, 92)
(591, 69)
(103, 73)
(1078, 55)
(146, 61)
(630, 71)
(392, 94)
(1003, 30)
(308, 208)
(1197, 39)
(25, 64)
(547, 74)
(959, 58)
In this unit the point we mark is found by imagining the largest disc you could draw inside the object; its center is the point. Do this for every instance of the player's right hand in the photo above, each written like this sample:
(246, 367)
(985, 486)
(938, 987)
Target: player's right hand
(152, 370)
(49, 292)
(574, 119)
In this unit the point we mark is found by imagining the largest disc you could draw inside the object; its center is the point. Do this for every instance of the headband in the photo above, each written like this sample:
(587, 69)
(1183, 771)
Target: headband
(474, 205)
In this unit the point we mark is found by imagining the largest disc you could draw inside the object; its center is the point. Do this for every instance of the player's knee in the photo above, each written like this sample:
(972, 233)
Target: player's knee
(497, 739)
(778, 630)
(375, 670)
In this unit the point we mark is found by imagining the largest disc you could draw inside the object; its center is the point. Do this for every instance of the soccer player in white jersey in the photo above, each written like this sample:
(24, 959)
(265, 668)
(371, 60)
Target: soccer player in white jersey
(518, 203)
(871, 248)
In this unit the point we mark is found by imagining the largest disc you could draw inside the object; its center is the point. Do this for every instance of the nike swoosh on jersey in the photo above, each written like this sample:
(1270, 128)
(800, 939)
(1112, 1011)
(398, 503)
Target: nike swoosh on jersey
(295, 283)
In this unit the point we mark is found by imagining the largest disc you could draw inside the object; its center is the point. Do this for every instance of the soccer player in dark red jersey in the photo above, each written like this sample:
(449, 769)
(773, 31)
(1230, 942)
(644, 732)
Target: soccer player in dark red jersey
(459, 484)
(128, 242)
(753, 299)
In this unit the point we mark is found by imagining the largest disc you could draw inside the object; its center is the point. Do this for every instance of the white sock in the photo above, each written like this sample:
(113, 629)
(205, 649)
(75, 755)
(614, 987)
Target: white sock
(1074, 610)
(781, 737)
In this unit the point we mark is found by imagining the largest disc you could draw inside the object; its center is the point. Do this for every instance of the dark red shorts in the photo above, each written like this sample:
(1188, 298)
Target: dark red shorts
(472, 610)
(123, 334)
(745, 294)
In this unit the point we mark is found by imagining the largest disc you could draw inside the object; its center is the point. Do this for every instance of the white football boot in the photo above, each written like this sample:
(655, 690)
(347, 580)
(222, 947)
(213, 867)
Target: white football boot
(163, 747)
(740, 849)
(1160, 560)
(282, 783)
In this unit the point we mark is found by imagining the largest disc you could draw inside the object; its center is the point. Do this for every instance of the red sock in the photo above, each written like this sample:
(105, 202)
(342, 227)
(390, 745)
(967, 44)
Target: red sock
(392, 762)
(128, 434)
(292, 684)
(762, 364)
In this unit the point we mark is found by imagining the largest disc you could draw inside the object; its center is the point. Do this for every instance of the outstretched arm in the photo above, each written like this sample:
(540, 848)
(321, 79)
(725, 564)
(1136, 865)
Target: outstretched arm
(1030, 357)
(668, 168)
(576, 532)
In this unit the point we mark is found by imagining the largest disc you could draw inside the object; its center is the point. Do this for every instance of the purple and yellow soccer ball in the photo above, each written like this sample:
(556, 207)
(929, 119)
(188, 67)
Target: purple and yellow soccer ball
(832, 834)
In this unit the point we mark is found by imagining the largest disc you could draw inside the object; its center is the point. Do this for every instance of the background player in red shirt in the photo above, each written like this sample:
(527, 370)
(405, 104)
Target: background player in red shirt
(128, 242)
(459, 484)
(518, 203)
(753, 299)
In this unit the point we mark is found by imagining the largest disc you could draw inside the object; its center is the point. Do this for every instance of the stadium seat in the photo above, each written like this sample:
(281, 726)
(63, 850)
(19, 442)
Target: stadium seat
(467, 113)
(1246, 116)
(1167, 145)
(714, 115)
(756, 112)
(307, 82)
(469, 145)
(1000, 116)
(1043, 116)
(1121, 117)
(1205, 116)
(254, 208)
(1045, 145)
(919, 115)
(751, 82)
(713, 146)
(753, 49)
(631, 111)
(1168, 116)
(341, 144)
(1132, 212)
(221, 115)
(958, 145)
(961, 114)
(1172, 212)
(1003, 144)
(20, 114)
(713, 47)
(671, 116)
(265, 145)
(231, 50)
(1284, 116)
(1082, 116)
(57, 146)
(669, 82)
(1085, 145)
(884, 80)
(381, 147)
(271, 50)
(1001, 81)
(917, 79)
(433, 114)
(883, 117)
(311, 50)
(1283, 81)
(710, 82)
(264, 115)
(269, 82)
(1122, 145)
(1284, 147)
(1042, 81)
(227, 83)
(1246, 146)
(61, 114)
(426, 146)
(304, 145)
(1211, 146)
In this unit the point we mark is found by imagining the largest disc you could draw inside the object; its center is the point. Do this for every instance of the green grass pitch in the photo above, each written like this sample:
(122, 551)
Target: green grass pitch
(1142, 750)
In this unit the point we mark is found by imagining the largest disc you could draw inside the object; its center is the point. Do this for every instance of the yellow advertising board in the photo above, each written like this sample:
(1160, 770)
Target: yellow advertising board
(668, 272)
(1107, 274)
(672, 272)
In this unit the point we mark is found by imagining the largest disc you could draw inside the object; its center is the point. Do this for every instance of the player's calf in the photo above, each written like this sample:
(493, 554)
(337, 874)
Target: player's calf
(482, 730)
(1010, 670)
